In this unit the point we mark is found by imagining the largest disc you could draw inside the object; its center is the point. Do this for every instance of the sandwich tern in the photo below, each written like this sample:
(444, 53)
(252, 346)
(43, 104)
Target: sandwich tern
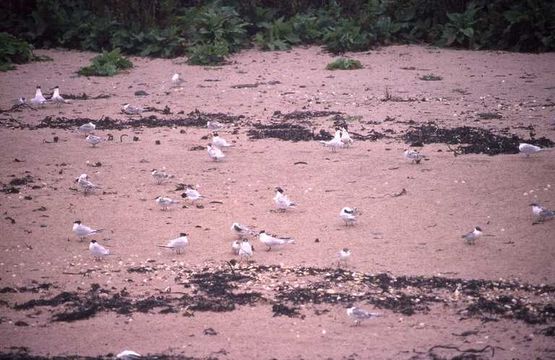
(470, 238)
(215, 153)
(335, 143)
(39, 99)
(349, 215)
(178, 244)
(540, 213)
(83, 231)
(219, 141)
(528, 149)
(282, 201)
(85, 184)
(98, 251)
(273, 240)
(358, 314)
(165, 202)
(413, 156)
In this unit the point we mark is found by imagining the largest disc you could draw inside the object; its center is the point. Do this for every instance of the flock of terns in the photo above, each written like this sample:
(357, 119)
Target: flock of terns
(241, 247)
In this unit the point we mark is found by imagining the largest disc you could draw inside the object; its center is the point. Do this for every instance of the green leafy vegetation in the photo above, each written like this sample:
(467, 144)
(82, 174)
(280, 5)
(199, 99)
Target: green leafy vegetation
(13, 51)
(460, 28)
(212, 32)
(209, 31)
(208, 54)
(277, 35)
(344, 64)
(107, 64)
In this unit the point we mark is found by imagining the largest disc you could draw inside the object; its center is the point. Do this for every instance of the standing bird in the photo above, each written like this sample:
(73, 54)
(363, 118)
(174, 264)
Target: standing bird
(528, 149)
(98, 251)
(413, 156)
(273, 240)
(131, 110)
(246, 250)
(87, 128)
(178, 244)
(215, 153)
(214, 125)
(541, 214)
(346, 138)
(220, 142)
(85, 184)
(342, 256)
(241, 230)
(83, 231)
(282, 201)
(349, 215)
(177, 80)
(57, 98)
(191, 193)
(39, 99)
(358, 314)
(160, 176)
(94, 140)
(335, 143)
(470, 238)
(165, 202)
(236, 246)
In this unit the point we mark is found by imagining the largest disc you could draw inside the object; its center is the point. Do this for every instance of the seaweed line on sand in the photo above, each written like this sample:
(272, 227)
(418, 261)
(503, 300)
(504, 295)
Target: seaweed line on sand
(224, 288)
(296, 126)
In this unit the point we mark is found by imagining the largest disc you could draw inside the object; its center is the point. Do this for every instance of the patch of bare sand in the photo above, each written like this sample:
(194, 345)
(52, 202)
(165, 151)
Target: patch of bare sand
(413, 234)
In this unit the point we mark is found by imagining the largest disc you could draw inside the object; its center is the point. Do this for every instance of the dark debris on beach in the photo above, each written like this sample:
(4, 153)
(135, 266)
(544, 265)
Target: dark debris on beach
(195, 118)
(223, 289)
(470, 140)
(22, 353)
(297, 126)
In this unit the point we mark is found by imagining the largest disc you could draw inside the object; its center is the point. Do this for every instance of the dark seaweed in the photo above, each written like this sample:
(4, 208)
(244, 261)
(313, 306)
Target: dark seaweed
(472, 140)
(284, 310)
(84, 96)
(286, 131)
(195, 118)
(303, 115)
(216, 289)
(23, 354)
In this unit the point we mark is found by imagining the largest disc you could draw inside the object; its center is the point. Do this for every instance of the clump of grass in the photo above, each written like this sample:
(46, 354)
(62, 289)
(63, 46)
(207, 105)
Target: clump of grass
(431, 77)
(107, 64)
(344, 64)
(13, 51)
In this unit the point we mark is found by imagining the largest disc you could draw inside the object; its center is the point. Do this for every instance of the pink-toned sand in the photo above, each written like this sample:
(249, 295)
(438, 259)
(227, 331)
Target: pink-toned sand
(415, 234)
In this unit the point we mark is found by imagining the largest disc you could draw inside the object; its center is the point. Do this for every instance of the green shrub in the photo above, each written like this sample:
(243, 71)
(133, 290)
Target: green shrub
(212, 32)
(13, 51)
(529, 26)
(309, 27)
(460, 30)
(208, 54)
(107, 64)
(167, 28)
(344, 64)
(347, 35)
(165, 43)
(277, 35)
